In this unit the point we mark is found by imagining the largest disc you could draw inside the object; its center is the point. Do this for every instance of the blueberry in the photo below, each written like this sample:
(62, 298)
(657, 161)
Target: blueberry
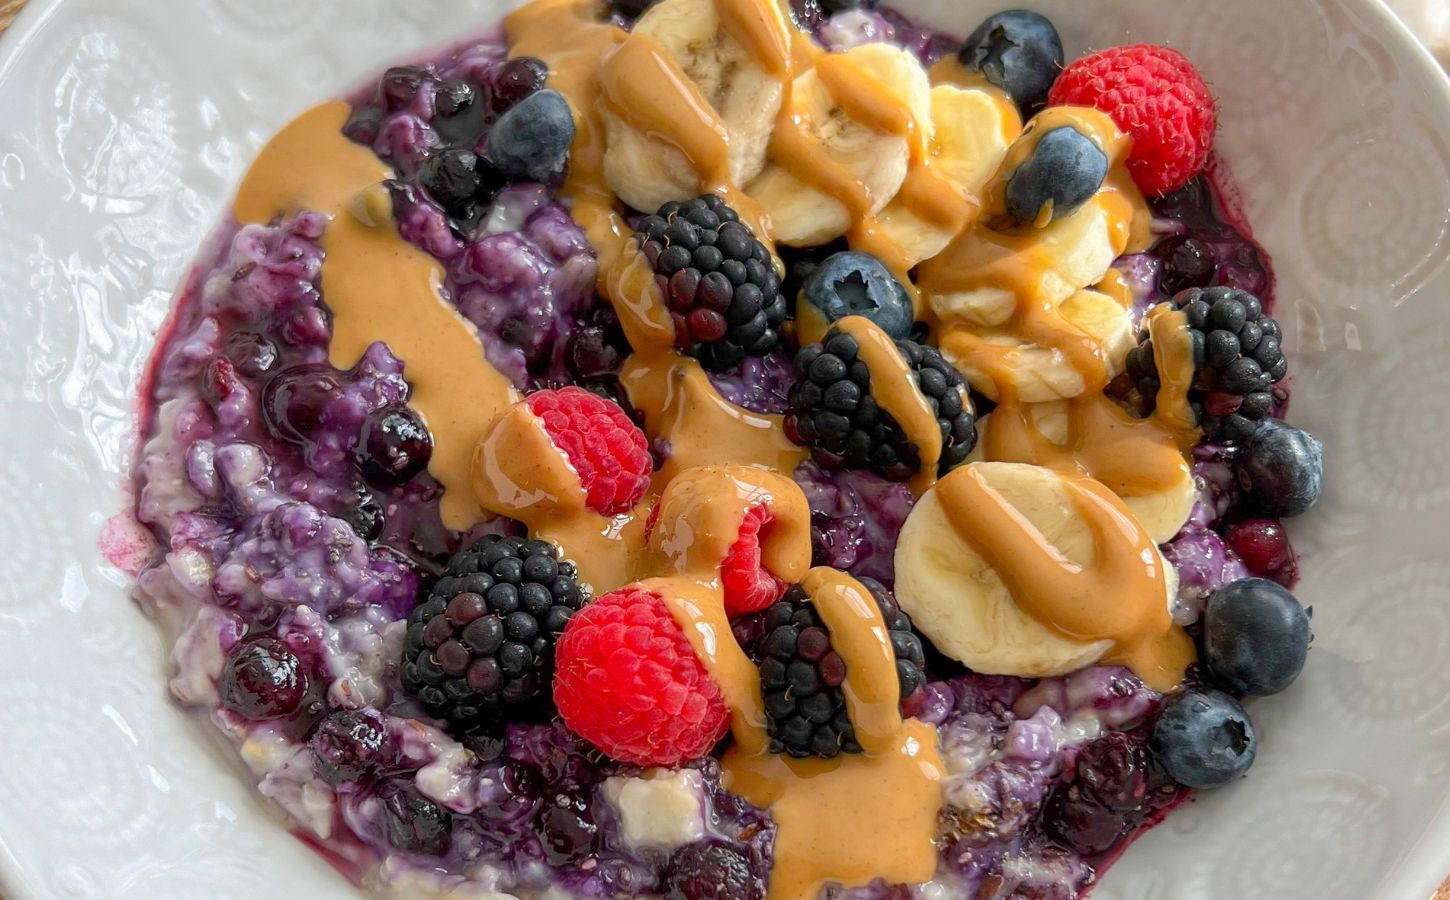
(262, 679)
(567, 828)
(451, 178)
(394, 446)
(516, 79)
(1018, 51)
(1255, 636)
(346, 745)
(531, 141)
(295, 400)
(1080, 823)
(411, 822)
(858, 284)
(1204, 739)
(1064, 171)
(253, 354)
(366, 514)
(711, 871)
(1281, 468)
(1186, 263)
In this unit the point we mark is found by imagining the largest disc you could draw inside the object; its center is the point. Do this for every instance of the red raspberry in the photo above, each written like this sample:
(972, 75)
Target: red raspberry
(749, 586)
(1158, 98)
(608, 450)
(628, 682)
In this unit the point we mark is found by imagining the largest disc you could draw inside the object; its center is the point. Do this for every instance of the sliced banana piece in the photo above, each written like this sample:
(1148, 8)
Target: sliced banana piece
(803, 215)
(645, 170)
(961, 603)
(973, 129)
(1104, 319)
(1049, 265)
(1043, 374)
(1162, 513)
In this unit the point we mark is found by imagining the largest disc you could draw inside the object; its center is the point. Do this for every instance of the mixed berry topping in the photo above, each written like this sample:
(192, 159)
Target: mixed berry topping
(719, 281)
(484, 638)
(835, 414)
(803, 677)
(1236, 356)
(1157, 98)
(629, 682)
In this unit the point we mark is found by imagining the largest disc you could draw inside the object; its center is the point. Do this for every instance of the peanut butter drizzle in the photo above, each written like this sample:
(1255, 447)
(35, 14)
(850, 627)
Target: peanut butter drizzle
(894, 387)
(1115, 285)
(699, 521)
(379, 287)
(848, 820)
(859, 633)
(1119, 596)
(644, 86)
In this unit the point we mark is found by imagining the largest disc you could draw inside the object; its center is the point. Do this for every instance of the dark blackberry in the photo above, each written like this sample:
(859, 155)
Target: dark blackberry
(484, 639)
(801, 674)
(719, 281)
(1237, 361)
(833, 412)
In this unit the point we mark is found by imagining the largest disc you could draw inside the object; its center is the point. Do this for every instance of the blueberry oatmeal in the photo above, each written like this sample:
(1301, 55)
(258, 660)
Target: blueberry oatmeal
(721, 450)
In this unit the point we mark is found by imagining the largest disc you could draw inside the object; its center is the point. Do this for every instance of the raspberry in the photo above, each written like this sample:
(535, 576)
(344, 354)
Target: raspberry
(629, 682)
(1158, 98)
(749, 586)
(608, 450)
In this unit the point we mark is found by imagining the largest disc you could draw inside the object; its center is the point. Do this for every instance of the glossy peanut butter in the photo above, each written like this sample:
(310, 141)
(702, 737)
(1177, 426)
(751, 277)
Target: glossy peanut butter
(894, 387)
(380, 287)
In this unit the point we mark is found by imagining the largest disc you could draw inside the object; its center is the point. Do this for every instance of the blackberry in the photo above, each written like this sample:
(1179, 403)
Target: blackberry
(484, 639)
(801, 674)
(1236, 356)
(719, 281)
(833, 412)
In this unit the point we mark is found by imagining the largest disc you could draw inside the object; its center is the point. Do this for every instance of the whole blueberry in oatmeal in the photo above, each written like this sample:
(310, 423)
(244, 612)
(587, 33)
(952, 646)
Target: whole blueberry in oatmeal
(639, 452)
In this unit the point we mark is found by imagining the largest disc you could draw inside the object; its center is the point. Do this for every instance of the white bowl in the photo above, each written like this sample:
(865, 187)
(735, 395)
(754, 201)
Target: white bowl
(125, 128)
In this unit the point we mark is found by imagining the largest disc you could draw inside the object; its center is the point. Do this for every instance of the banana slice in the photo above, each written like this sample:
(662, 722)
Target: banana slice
(991, 268)
(960, 602)
(803, 215)
(973, 129)
(1162, 513)
(645, 170)
(1043, 374)
(1106, 321)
